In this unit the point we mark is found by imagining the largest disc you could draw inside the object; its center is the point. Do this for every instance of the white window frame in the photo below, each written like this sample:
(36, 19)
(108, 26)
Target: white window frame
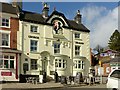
(77, 63)
(5, 32)
(34, 31)
(77, 52)
(8, 59)
(34, 46)
(77, 35)
(35, 65)
(57, 49)
(8, 22)
(61, 63)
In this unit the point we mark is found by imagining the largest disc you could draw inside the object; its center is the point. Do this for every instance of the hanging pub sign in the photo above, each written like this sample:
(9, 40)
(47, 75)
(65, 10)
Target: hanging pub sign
(57, 27)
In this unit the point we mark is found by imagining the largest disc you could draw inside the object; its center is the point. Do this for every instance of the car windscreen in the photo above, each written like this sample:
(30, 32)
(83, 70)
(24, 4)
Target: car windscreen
(116, 74)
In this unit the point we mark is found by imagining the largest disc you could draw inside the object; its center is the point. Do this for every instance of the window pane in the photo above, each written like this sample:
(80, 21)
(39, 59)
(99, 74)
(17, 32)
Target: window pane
(77, 35)
(11, 64)
(6, 57)
(5, 63)
(56, 48)
(11, 57)
(5, 22)
(1, 63)
(34, 64)
(79, 65)
(5, 39)
(77, 50)
(75, 64)
(33, 45)
(33, 28)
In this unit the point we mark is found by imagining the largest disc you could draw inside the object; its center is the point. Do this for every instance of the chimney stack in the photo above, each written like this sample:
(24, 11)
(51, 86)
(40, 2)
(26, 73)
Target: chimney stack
(77, 18)
(14, 3)
(45, 10)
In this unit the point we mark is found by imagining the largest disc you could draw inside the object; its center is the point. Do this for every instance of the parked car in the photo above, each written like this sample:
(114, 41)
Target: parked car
(113, 80)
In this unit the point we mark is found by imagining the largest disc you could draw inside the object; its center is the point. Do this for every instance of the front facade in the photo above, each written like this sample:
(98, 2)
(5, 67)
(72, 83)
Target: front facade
(53, 43)
(9, 55)
(47, 44)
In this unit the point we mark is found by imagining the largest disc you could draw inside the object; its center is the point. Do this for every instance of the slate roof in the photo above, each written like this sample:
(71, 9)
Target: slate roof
(78, 27)
(37, 18)
(7, 8)
(33, 17)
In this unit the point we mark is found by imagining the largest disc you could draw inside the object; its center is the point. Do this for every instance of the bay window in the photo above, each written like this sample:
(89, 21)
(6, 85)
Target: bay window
(79, 64)
(61, 63)
(7, 62)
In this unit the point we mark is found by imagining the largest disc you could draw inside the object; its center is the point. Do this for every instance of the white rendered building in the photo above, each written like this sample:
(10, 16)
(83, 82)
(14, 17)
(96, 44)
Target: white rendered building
(53, 43)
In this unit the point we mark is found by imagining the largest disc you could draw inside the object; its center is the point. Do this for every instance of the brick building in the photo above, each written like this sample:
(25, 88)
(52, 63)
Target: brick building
(9, 55)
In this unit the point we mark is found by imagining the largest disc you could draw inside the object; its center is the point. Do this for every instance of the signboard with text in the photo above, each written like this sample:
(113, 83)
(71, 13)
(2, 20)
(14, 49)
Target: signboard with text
(6, 73)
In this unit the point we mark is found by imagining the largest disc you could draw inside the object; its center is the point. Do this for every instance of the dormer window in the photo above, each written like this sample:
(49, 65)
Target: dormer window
(5, 22)
(34, 29)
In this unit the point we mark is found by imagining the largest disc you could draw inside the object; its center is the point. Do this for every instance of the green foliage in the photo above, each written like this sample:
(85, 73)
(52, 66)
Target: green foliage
(114, 42)
(99, 49)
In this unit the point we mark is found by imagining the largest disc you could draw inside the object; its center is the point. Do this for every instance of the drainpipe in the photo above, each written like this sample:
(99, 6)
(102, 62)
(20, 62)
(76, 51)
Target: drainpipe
(72, 50)
(22, 42)
(22, 37)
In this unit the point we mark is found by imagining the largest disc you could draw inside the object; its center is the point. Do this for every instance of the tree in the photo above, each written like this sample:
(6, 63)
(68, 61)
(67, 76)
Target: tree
(99, 49)
(114, 42)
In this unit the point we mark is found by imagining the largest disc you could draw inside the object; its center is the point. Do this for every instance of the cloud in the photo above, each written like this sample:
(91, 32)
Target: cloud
(7, 1)
(102, 22)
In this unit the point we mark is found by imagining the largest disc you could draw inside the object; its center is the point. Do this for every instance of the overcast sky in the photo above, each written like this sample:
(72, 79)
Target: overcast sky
(100, 18)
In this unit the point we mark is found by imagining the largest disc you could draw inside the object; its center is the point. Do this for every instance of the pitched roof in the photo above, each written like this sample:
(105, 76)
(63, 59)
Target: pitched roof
(78, 27)
(38, 18)
(8, 8)
(33, 17)
(117, 59)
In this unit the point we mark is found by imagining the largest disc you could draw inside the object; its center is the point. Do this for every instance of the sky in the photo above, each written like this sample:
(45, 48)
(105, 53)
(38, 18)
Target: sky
(101, 18)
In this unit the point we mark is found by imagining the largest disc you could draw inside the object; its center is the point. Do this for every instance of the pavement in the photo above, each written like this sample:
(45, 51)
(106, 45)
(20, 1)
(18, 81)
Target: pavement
(41, 85)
